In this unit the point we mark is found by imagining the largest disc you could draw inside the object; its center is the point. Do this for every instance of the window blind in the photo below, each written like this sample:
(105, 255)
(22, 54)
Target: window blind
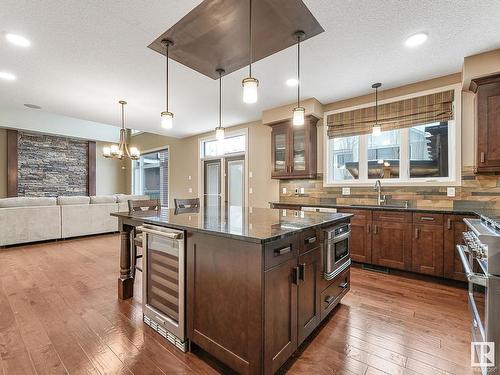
(396, 115)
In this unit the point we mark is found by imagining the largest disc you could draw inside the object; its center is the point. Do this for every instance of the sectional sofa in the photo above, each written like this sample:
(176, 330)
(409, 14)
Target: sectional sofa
(31, 219)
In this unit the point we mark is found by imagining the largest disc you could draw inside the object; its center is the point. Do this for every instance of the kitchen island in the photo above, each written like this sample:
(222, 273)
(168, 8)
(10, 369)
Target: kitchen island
(255, 287)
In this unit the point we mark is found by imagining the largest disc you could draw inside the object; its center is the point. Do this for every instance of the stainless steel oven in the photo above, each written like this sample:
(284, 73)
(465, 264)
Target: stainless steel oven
(336, 256)
(480, 258)
(163, 283)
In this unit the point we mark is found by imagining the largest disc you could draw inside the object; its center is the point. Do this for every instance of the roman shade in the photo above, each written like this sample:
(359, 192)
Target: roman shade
(396, 115)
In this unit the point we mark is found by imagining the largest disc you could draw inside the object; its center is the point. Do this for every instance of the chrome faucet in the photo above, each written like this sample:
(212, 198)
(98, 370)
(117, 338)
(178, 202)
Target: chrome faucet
(380, 198)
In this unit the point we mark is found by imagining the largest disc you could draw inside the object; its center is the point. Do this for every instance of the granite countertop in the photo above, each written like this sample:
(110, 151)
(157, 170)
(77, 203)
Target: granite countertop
(492, 215)
(258, 225)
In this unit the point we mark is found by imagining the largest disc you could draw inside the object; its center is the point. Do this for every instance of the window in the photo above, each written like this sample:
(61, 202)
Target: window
(230, 145)
(419, 143)
(150, 176)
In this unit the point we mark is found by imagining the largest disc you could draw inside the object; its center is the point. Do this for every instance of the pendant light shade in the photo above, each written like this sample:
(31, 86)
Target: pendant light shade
(219, 130)
(298, 112)
(167, 117)
(376, 130)
(250, 84)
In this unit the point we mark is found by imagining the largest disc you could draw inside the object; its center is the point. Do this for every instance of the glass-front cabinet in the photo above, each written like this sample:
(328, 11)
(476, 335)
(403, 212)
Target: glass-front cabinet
(294, 149)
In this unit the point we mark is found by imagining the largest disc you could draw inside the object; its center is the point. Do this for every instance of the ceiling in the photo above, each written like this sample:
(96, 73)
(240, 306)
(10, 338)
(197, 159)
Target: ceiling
(86, 55)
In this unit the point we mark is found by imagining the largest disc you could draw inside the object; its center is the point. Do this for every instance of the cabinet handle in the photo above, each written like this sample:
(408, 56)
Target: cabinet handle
(427, 218)
(448, 224)
(302, 271)
(375, 229)
(311, 240)
(368, 228)
(283, 250)
(295, 275)
(483, 158)
(329, 299)
(416, 233)
(344, 285)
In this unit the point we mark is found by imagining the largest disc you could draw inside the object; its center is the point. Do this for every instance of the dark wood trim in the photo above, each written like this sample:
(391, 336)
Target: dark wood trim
(91, 189)
(12, 163)
(475, 83)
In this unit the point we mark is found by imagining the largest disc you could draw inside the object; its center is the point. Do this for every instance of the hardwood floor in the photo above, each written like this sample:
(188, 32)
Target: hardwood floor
(59, 313)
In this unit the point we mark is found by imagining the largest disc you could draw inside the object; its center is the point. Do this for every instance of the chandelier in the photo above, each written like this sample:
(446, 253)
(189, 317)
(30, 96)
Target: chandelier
(122, 150)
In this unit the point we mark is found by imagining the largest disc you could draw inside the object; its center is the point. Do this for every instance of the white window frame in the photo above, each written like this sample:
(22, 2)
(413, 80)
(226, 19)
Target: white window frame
(202, 159)
(132, 170)
(454, 148)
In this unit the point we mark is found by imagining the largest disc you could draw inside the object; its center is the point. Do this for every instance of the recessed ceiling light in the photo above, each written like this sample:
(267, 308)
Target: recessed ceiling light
(18, 40)
(416, 40)
(7, 76)
(32, 106)
(292, 82)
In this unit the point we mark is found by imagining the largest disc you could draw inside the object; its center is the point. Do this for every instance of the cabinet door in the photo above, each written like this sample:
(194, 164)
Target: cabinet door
(427, 249)
(280, 320)
(454, 227)
(391, 246)
(299, 148)
(308, 293)
(360, 244)
(488, 126)
(280, 150)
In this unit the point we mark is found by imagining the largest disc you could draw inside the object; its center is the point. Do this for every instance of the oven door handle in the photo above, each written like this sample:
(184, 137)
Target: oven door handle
(341, 237)
(473, 277)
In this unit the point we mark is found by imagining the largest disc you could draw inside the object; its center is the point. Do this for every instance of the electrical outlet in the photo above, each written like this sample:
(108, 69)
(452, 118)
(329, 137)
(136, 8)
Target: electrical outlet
(346, 191)
(189, 178)
(250, 174)
(190, 190)
(283, 190)
(450, 192)
(296, 190)
(283, 212)
(302, 214)
(302, 191)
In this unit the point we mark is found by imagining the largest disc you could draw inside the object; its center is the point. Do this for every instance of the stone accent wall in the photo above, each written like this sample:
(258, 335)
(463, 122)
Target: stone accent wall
(482, 190)
(49, 165)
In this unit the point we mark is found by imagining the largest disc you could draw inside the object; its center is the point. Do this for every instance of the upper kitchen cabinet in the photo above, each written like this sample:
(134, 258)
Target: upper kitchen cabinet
(294, 149)
(487, 91)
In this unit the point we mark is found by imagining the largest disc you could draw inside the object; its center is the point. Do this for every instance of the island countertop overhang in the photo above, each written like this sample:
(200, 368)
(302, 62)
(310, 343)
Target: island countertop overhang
(257, 225)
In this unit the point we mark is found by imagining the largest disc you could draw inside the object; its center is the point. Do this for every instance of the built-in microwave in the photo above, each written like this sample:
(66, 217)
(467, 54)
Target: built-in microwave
(336, 256)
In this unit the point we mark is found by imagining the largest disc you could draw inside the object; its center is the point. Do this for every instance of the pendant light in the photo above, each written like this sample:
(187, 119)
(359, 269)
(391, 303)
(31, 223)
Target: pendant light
(219, 130)
(121, 150)
(376, 130)
(298, 112)
(167, 118)
(250, 84)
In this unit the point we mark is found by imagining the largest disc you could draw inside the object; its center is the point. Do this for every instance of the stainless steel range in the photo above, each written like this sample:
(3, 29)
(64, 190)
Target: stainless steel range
(481, 261)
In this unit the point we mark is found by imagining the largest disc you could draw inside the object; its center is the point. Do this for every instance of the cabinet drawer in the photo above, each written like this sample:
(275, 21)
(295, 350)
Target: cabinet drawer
(330, 297)
(309, 240)
(280, 251)
(396, 216)
(427, 218)
(360, 215)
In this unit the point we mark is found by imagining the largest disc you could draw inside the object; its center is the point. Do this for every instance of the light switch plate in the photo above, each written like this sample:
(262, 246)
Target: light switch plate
(450, 192)
(302, 191)
(190, 190)
(250, 174)
(283, 190)
(189, 178)
(346, 191)
(250, 191)
(302, 214)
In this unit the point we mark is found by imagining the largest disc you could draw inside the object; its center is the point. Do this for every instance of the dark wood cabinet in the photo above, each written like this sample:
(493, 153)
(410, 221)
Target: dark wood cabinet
(391, 244)
(360, 245)
(453, 230)
(427, 249)
(487, 91)
(294, 149)
(308, 293)
(280, 321)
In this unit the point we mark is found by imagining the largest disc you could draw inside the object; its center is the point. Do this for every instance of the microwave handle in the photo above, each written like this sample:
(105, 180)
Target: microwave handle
(473, 277)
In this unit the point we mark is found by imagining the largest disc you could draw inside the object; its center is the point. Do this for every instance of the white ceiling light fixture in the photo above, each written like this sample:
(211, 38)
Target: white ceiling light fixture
(292, 82)
(167, 117)
(7, 76)
(17, 40)
(298, 112)
(250, 84)
(121, 150)
(219, 130)
(377, 129)
(416, 39)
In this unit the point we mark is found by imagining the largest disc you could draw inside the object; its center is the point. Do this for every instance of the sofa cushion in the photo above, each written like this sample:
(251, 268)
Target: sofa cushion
(27, 202)
(77, 199)
(98, 199)
(127, 197)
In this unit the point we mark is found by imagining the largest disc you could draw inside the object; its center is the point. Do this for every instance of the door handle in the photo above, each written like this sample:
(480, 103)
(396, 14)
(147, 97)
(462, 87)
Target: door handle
(448, 224)
(283, 250)
(302, 271)
(343, 285)
(427, 218)
(416, 233)
(368, 228)
(295, 275)
(483, 157)
(311, 240)
(329, 299)
(375, 229)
